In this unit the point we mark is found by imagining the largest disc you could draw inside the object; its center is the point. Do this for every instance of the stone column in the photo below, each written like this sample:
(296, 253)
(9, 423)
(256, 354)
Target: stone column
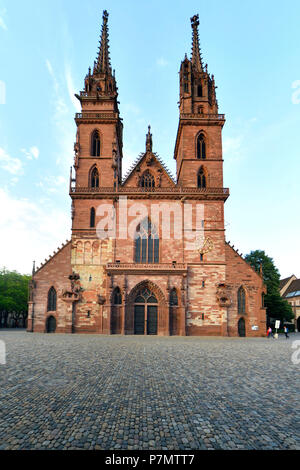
(184, 306)
(30, 316)
(123, 308)
(107, 308)
(167, 329)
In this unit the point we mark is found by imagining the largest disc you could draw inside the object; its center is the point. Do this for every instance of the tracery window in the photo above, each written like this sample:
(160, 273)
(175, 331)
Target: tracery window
(201, 179)
(147, 180)
(51, 305)
(145, 296)
(201, 147)
(241, 301)
(95, 147)
(95, 178)
(146, 243)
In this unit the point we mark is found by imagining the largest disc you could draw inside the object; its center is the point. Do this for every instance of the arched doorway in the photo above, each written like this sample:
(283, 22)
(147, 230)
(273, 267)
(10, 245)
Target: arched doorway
(51, 324)
(242, 328)
(145, 312)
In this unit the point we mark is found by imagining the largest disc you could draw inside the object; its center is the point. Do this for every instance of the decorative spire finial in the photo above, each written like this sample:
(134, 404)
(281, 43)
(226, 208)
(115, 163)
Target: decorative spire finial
(149, 140)
(33, 268)
(196, 54)
(102, 64)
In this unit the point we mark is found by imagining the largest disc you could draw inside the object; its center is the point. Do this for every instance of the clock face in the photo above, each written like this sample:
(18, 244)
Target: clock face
(205, 245)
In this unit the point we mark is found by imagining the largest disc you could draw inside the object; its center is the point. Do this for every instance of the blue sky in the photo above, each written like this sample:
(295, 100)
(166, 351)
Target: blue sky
(252, 47)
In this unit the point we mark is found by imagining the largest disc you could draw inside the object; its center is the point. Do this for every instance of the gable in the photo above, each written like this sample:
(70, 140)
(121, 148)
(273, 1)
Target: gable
(59, 262)
(149, 163)
(285, 284)
(238, 267)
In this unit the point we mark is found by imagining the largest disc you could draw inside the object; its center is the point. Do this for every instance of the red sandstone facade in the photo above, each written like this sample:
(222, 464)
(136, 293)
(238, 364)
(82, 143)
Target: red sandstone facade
(148, 283)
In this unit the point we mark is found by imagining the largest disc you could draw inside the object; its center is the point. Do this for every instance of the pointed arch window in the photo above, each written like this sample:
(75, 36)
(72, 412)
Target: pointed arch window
(51, 304)
(92, 217)
(146, 243)
(201, 179)
(199, 91)
(201, 147)
(95, 149)
(117, 296)
(173, 298)
(94, 178)
(147, 180)
(241, 301)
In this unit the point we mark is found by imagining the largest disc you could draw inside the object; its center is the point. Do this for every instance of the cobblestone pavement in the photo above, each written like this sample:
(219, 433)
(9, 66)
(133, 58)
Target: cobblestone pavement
(95, 392)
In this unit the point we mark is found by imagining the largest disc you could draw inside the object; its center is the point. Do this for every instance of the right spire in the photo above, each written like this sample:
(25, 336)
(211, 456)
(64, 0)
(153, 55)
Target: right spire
(102, 64)
(196, 58)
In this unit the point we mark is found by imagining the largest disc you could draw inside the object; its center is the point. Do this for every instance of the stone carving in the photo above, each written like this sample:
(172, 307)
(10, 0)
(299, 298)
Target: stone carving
(206, 246)
(32, 286)
(224, 295)
(101, 300)
(73, 294)
(149, 159)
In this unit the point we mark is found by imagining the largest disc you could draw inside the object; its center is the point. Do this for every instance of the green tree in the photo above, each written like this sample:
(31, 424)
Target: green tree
(13, 296)
(277, 307)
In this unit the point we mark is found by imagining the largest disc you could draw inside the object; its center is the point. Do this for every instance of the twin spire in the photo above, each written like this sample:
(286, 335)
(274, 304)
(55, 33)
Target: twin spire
(102, 64)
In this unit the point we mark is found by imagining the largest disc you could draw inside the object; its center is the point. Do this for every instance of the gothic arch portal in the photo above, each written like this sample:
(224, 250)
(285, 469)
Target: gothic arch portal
(153, 311)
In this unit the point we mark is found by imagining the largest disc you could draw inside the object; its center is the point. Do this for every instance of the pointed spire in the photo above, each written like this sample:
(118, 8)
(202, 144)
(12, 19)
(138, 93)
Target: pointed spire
(33, 268)
(149, 140)
(196, 58)
(102, 64)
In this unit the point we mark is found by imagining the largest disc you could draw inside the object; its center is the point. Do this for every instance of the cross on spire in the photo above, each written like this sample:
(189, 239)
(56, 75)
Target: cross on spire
(102, 64)
(196, 58)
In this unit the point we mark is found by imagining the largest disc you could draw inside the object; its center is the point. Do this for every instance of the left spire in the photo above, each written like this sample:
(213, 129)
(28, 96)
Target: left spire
(102, 63)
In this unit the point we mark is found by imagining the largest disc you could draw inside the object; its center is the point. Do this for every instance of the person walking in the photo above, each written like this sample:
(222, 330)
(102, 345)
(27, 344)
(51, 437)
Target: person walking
(270, 332)
(285, 329)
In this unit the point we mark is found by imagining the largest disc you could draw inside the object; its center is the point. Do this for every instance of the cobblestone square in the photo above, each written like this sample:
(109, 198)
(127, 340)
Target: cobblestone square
(126, 392)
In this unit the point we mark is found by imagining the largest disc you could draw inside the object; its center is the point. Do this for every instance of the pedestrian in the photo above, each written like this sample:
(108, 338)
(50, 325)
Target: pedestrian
(285, 329)
(270, 332)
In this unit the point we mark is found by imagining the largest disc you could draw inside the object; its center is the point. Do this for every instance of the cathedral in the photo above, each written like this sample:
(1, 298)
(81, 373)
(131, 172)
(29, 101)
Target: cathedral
(148, 254)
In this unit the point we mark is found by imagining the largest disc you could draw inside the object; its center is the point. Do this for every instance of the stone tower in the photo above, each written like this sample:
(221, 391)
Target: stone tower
(98, 164)
(99, 139)
(198, 150)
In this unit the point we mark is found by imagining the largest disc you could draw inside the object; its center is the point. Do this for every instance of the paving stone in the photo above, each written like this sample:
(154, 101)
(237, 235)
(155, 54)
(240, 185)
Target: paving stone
(176, 393)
